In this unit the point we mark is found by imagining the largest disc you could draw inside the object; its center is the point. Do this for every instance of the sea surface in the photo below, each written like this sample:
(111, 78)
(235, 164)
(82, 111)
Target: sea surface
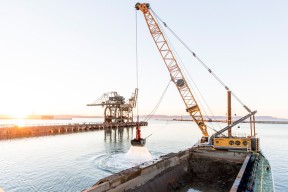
(73, 162)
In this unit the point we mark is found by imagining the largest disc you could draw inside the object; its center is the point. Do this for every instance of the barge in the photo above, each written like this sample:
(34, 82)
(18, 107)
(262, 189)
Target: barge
(198, 168)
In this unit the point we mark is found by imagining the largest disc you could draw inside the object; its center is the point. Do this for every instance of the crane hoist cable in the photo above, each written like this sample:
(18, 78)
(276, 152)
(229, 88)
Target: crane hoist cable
(201, 62)
(174, 70)
(186, 72)
(148, 117)
(137, 62)
(181, 84)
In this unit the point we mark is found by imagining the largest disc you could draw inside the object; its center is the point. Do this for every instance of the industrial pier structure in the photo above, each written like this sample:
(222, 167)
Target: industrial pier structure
(116, 108)
(118, 113)
(13, 131)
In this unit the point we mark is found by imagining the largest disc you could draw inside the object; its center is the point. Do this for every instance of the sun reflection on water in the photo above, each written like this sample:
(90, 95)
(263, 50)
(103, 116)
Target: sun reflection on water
(21, 122)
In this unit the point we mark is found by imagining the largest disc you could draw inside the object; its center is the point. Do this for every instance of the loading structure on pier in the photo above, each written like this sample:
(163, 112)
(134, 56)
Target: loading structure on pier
(116, 108)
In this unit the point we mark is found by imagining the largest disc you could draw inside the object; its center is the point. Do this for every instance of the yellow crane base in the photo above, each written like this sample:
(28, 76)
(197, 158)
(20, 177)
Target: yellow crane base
(237, 143)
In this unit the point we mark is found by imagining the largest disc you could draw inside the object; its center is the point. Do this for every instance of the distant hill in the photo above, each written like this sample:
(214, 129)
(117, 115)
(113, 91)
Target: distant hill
(220, 118)
(4, 116)
(168, 117)
(51, 117)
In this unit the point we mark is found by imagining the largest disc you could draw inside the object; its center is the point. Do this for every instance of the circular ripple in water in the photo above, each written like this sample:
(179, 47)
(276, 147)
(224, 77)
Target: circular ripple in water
(116, 162)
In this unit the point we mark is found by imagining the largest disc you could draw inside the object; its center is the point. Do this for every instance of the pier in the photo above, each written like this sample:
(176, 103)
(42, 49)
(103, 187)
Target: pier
(15, 131)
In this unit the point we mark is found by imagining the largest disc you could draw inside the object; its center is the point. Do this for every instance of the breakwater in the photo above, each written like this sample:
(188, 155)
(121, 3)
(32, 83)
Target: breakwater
(15, 131)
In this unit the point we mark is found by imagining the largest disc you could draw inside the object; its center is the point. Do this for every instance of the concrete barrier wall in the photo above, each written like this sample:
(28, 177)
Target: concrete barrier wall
(140, 178)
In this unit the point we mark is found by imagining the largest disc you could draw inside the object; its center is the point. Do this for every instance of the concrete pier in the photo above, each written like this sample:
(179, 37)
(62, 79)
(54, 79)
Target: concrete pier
(14, 131)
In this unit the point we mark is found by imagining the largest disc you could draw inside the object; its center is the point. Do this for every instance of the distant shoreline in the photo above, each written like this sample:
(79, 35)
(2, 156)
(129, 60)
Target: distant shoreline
(50, 117)
(223, 121)
(220, 119)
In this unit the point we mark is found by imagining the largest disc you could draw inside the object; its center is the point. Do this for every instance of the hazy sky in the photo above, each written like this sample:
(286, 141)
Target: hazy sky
(57, 56)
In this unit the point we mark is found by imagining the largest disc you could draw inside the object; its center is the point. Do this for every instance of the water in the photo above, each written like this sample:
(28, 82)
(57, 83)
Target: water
(74, 162)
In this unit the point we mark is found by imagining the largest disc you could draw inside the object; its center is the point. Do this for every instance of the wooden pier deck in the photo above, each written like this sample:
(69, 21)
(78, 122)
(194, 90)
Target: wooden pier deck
(14, 131)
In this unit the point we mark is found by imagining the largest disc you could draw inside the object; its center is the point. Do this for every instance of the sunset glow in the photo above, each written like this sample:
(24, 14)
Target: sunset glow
(18, 114)
(49, 61)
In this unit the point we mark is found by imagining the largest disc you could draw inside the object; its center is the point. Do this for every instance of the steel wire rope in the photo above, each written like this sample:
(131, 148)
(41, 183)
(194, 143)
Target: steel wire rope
(137, 64)
(148, 117)
(201, 62)
(186, 73)
(159, 129)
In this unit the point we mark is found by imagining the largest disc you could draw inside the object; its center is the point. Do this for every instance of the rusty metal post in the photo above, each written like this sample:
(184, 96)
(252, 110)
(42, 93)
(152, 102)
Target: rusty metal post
(254, 125)
(251, 126)
(229, 112)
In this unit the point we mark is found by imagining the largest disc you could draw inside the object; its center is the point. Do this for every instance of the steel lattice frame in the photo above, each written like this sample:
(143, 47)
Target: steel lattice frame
(175, 72)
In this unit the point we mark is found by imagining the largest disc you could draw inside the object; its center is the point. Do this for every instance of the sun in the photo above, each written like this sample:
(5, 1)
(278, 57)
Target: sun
(16, 111)
(19, 114)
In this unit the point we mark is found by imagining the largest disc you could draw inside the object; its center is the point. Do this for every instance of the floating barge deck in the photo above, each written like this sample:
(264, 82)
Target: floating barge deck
(14, 131)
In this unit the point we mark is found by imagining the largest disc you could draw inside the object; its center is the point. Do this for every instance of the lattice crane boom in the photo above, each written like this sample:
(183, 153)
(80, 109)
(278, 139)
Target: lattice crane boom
(175, 72)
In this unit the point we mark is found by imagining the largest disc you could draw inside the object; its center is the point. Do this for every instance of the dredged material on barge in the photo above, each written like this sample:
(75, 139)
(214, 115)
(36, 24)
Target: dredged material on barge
(203, 169)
